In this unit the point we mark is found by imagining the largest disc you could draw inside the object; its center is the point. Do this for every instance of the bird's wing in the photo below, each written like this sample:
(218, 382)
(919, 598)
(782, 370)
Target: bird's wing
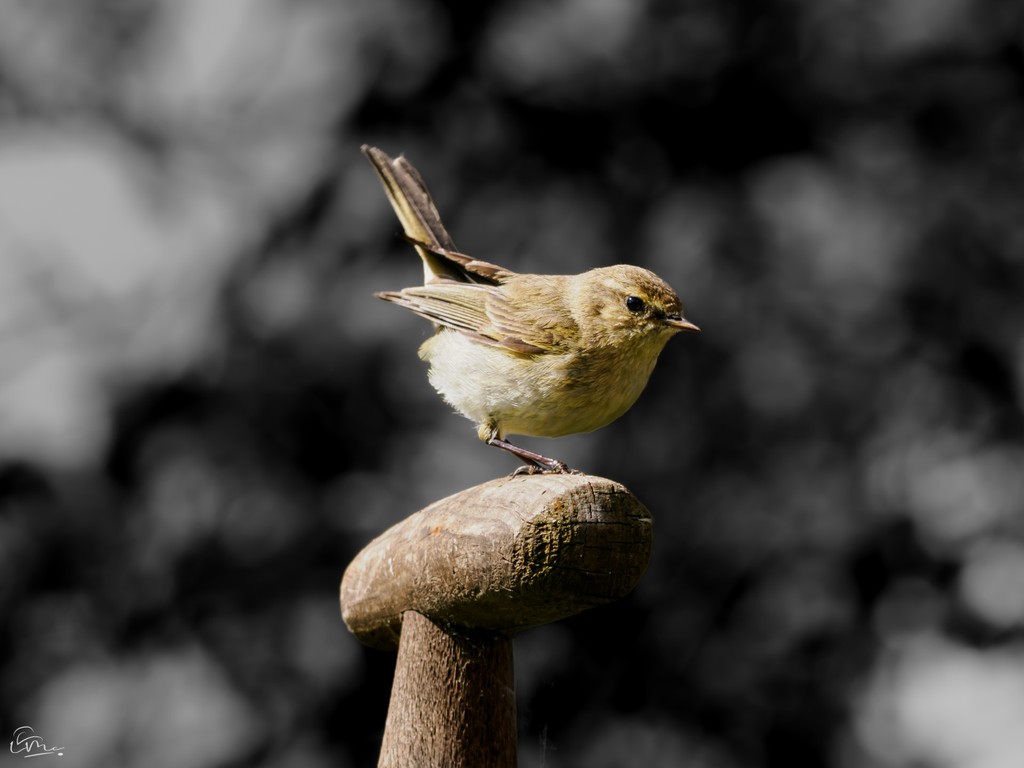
(422, 224)
(484, 313)
(530, 311)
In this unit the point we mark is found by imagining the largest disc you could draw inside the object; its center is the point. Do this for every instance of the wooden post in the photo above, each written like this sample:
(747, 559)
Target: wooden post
(450, 585)
(453, 701)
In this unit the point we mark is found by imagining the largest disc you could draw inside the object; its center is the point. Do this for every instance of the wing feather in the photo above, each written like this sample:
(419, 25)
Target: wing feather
(461, 306)
(488, 314)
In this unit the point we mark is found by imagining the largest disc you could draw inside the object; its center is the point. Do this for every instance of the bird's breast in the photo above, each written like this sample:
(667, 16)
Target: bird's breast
(545, 395)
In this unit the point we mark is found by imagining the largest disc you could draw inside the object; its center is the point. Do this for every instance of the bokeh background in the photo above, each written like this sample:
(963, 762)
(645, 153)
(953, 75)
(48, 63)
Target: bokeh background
(204, 414)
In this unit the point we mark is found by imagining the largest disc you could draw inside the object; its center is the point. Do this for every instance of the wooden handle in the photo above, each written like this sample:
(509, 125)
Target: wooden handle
(503, 556)
(453, 702)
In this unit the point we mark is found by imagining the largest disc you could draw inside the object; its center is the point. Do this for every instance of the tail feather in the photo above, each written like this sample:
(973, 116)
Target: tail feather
(417, 213)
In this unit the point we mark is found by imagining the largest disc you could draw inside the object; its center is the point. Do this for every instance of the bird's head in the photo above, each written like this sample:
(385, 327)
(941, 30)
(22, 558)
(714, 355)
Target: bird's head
(620, 303)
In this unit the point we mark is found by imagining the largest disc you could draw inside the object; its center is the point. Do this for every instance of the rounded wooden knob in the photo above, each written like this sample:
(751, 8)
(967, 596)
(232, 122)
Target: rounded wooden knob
(503, 556)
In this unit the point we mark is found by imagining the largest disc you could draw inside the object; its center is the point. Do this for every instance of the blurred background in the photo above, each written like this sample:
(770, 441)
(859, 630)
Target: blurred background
(204, 414)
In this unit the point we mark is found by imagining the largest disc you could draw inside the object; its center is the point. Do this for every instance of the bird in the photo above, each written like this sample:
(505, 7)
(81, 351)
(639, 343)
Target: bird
(527, 354)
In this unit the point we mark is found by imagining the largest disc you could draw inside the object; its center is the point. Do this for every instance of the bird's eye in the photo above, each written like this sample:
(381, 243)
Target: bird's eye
(634, 304)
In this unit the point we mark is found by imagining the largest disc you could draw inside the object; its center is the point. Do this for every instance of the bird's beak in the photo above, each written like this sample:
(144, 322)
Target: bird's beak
(680, 322)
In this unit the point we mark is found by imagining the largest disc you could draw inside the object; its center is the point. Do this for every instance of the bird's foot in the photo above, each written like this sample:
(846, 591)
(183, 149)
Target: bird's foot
(556, 468)
(534, 463)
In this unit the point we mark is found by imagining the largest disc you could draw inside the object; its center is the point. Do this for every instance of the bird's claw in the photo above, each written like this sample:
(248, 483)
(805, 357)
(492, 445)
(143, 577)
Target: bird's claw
(555, 468)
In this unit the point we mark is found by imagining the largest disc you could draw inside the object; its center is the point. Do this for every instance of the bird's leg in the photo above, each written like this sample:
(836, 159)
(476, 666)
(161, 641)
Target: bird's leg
(534, 461)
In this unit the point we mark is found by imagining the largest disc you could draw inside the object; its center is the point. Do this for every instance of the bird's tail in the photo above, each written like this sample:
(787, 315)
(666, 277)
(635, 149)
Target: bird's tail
(417, 213)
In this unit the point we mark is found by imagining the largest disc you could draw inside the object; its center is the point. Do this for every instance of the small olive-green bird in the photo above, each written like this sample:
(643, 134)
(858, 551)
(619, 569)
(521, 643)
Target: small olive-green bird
(541, 355)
